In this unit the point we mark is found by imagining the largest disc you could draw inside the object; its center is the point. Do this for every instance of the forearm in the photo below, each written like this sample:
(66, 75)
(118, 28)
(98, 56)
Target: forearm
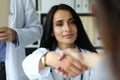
(24, 35)
(91, 59)
(52, 58)
(88, 59)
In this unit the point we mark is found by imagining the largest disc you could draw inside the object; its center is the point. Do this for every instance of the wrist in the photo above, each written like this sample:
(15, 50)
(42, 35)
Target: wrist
(52, 58)
(43, 59)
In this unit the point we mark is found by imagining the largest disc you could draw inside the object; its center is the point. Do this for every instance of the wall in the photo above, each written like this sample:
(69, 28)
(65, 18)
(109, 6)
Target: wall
(4, 10)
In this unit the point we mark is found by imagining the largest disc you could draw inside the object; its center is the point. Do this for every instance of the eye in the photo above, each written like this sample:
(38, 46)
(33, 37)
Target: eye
(72, 21)
(59, 23)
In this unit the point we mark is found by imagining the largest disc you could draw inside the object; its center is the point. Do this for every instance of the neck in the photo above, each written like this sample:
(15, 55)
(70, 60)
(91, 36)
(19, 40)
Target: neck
(65, 46)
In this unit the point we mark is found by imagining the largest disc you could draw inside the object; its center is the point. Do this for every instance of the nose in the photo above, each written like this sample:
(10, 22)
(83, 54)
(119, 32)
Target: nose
(67, 27)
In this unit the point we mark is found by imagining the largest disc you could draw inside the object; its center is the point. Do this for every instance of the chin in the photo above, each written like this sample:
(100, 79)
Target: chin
(69, 42)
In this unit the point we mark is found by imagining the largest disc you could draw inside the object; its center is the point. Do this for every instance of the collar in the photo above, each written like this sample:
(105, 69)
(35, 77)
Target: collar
(58, 49)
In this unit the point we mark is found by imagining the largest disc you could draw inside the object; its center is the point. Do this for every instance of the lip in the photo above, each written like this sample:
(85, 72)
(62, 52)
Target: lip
(68, 36)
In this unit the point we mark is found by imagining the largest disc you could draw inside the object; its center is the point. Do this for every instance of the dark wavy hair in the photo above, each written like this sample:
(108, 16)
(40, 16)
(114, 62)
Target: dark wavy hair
(50, 42)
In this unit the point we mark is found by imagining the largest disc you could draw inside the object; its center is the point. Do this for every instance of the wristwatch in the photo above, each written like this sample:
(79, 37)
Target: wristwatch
(43, 59)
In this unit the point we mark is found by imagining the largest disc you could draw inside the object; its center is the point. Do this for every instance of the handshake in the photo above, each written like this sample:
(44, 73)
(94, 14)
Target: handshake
(71, 62)
(86, 59)
(89, 59)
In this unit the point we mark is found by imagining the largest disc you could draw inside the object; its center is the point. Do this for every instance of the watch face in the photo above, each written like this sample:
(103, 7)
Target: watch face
(42, 59)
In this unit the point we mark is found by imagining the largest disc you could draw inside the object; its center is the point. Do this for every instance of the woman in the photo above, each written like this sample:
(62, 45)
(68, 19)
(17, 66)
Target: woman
(62, 30)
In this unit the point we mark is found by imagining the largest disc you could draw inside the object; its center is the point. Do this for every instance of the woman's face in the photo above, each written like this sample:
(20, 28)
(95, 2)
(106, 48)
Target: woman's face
(64, 27)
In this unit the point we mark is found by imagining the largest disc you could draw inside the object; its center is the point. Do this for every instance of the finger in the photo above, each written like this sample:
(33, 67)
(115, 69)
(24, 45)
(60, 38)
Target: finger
(73, 71)
(84, 67)
(3, 29)
(56, 71)
(63, 73)
(75, 68)
(12, 35)
(60, 71)
(4, 38)
(69, 67)
(4, 34)
(79, 65)
(61, 56)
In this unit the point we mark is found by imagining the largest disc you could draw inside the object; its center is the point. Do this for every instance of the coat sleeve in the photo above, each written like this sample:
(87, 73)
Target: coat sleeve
(30, 65)
(31, 30)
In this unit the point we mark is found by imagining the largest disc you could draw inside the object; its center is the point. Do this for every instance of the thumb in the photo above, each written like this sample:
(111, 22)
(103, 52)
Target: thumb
(61, 55)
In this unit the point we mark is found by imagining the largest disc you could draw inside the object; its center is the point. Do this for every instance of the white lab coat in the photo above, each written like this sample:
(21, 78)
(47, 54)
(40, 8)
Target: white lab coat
(23, 19)
(31, 62)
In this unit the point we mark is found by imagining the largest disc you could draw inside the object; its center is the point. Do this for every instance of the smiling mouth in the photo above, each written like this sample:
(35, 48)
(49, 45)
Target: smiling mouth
(68, 36)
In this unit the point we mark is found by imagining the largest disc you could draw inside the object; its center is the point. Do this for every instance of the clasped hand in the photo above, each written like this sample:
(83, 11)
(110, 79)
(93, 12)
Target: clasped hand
(68, 65)
(7, 34)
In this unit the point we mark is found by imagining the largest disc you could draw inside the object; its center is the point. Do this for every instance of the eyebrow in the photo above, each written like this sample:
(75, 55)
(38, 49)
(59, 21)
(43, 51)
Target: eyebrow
(67, 19)
(58, 21)
(71, 18)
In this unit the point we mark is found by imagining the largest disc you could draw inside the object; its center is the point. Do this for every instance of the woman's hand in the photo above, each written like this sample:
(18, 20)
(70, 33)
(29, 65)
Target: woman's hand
(70, 66)
(74, 53)
(90, 60)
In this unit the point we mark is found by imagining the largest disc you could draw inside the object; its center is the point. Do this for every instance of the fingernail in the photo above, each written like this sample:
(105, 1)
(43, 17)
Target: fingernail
(59, 57)
(61, 69)
(58, 68)
(63, 73)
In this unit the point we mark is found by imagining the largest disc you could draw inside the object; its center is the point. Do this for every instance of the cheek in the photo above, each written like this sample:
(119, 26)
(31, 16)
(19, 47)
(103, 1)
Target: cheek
(75, 30)
(57, 32)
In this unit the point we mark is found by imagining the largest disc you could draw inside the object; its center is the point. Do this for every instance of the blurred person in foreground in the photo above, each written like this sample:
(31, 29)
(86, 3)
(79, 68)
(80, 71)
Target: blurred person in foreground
(107, 14)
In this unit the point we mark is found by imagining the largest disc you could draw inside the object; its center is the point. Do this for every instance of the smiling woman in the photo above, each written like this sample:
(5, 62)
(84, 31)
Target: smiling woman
(62, 30)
